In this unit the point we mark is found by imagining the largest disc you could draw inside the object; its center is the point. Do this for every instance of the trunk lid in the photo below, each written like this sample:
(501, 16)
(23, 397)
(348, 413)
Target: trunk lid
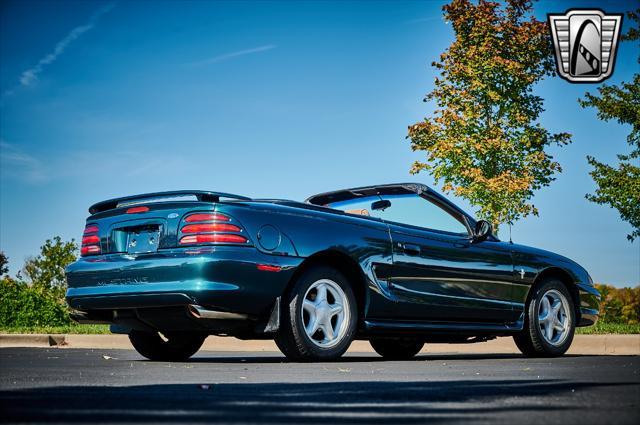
(144, 224)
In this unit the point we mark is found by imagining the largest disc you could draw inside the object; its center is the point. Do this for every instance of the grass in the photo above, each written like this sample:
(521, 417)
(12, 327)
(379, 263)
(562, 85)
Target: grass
(69, 329)
(609, 328)
(599, 328)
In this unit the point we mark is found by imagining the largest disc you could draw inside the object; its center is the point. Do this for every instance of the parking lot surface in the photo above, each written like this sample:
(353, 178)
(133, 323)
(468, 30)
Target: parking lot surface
(119, 386)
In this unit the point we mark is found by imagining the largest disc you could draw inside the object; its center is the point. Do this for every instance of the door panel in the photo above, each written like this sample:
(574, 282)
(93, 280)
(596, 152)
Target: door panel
(437, 276)
(437, 273)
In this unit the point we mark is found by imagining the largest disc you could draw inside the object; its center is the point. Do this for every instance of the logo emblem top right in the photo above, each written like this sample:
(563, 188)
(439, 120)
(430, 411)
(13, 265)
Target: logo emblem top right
(585, 42)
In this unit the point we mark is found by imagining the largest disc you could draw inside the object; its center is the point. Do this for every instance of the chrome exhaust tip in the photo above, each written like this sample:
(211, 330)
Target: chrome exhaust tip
(200, 312)
(84, 318)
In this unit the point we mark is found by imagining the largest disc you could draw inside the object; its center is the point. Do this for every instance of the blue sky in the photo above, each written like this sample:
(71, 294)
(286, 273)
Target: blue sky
(263, 99)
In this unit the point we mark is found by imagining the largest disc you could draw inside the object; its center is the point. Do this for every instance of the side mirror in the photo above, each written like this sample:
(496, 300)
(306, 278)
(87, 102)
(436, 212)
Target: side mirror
(482, 231)
(380, 205)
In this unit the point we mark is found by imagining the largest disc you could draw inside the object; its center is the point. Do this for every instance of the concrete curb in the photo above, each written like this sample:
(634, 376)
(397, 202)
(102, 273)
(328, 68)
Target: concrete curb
(610, 344)
(32, 340)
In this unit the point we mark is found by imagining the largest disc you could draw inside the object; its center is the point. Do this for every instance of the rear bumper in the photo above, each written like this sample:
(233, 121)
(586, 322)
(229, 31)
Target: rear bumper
(224, 277)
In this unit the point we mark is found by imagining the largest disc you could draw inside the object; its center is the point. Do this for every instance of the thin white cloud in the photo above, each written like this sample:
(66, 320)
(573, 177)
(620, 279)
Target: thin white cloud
(30, 76)
(16, 163)
(235, 54)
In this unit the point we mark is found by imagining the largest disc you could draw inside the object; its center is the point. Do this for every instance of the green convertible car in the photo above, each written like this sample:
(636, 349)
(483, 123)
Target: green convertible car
(397, 264)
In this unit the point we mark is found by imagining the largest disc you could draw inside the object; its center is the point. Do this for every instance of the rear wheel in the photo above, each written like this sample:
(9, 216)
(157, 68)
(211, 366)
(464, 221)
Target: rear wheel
(171, 347)
(319, 316)
(550, 320)
(397, 348)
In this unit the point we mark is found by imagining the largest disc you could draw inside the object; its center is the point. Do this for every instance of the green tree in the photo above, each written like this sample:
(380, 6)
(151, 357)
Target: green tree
(46, 271)
(619, 187)
(483, 140)
(4, 264)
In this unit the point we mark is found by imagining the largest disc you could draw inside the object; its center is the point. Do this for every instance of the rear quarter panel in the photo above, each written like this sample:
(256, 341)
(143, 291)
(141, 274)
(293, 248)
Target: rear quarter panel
(310, 230)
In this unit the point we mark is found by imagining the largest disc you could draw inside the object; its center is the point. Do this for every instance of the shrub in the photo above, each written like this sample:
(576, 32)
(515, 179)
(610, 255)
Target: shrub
(619, 305)
(24, 305)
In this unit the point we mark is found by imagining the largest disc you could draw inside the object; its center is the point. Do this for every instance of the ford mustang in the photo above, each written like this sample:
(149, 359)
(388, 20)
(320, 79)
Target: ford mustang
(398, 265)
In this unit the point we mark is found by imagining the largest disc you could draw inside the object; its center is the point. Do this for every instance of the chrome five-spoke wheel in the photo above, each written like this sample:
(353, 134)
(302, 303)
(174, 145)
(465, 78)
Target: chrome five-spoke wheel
(553, 317)
(325, 313)
(319, 317)
(549, 320)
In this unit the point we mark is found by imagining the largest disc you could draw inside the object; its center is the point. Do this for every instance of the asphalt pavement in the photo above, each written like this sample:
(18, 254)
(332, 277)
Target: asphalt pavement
(118, 386)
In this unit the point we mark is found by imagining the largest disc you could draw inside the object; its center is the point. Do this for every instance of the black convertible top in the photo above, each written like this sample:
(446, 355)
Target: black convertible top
(385, 189)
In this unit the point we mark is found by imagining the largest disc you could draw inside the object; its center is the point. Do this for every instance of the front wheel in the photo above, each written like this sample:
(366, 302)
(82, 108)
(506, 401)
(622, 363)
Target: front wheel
(170, 347)
(397, 348)
(319, 316)
(550, 321)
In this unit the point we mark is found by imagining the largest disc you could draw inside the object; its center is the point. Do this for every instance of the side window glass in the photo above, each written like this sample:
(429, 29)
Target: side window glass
(358, 207)
(417, 211)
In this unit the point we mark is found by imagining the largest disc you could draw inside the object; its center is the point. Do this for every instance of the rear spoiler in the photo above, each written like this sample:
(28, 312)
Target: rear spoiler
(201, 195)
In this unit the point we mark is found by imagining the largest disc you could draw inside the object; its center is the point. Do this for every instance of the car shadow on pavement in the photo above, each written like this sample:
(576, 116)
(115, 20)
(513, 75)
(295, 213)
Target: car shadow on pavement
(210, 357)
(487, 356)
(332, 402)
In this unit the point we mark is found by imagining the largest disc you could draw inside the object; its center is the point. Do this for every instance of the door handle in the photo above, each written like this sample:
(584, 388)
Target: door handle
(411, 249)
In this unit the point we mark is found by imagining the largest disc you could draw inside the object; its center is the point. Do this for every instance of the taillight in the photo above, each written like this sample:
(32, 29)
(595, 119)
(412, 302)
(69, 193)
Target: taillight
(211, 228)
(213, 238)
(91, 228)
(90, 250)
(206, 217)
(90, 240)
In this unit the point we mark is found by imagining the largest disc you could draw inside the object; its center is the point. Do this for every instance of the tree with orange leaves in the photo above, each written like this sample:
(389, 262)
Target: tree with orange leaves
(484, 141)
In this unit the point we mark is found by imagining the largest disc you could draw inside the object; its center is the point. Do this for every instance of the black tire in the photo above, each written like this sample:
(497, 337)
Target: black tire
(177, 347)
(397, 348)
(292, 339)
(531, 341)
